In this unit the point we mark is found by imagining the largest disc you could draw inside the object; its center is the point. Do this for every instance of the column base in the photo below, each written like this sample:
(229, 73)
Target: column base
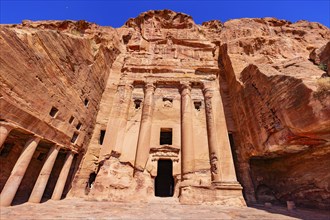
(228, 194)
(227, 185)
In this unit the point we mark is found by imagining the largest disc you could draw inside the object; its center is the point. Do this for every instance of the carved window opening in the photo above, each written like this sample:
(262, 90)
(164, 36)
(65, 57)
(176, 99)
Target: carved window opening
(165, 99)
(74, 137)
(41, 156)
(168, 102)
(164, 181)
(137, 103)
(165, 136)
(71, 119)
(86, 102)
(53, 112)
(78, 126)
(102, 134)
(198, 105)
(7, 147)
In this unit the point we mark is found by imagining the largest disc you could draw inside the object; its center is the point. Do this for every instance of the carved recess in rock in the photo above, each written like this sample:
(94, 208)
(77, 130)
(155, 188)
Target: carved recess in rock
(164, 88)
(166, 65)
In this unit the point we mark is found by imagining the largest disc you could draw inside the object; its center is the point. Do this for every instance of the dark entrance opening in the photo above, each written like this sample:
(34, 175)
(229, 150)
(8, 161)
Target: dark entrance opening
(164, 182)
(165, 136)
(102, 134)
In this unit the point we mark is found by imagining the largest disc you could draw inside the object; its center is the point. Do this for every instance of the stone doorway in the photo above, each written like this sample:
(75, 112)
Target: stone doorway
(164, 181)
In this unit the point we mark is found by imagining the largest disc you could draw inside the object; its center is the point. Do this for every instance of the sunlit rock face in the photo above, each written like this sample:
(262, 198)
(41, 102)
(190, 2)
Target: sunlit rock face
(165, 107)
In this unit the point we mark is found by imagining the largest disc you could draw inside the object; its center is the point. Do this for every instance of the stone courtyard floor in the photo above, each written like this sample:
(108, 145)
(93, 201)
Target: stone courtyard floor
(159, 208)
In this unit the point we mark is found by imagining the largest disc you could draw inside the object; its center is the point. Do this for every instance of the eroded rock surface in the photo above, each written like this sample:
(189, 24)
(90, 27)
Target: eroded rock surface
(279, 101)
(272, 74)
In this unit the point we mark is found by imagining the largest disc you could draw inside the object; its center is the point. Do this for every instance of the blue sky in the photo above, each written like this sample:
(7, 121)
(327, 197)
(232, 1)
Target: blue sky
(115, 13)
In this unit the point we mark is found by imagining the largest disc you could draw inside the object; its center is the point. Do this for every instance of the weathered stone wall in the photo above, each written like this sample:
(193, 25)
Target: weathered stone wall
(55, 64)
(279, 102)
(163, 49)
(310, 189)
(53, 75)
(272, 74)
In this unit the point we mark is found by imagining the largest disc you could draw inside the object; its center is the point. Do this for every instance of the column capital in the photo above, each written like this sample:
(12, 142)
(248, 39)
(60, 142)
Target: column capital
(58, 147)
(70, 152)
(36, 138)
(74, 152)
(208, 92)
(149, 86)
(8, 125)
(5, 129)
(185, 86)
(126, 85)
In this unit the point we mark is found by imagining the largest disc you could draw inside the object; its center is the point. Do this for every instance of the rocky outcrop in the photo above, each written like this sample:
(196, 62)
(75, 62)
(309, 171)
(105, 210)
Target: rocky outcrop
(273, 77)
(321, 57)
(279, 101)
(56, 64)
(52, 77)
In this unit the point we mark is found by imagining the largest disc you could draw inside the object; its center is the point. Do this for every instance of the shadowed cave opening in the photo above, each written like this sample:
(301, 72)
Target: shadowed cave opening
(91, 180)
(164, 181)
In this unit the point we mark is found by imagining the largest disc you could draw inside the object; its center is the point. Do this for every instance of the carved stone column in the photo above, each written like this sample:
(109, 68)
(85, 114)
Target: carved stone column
(187, 144)
(116, 127)
(143, 146)
(18, 172)
(60, 184)
(41, 183)
(4, 132)
(222, 166)
(125, 101)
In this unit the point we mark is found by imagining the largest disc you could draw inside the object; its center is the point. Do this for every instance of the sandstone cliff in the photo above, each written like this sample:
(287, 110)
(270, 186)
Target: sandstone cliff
(273, 77)
(52, 77)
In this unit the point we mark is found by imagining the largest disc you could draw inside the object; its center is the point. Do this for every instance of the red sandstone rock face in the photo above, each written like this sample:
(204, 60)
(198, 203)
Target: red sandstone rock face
(61, 64)
(55, 64)
(279, 101)
(273, 81)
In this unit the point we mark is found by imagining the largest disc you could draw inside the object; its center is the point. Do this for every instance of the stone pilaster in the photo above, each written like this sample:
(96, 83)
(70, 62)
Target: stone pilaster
(4, 132)
(126, 100)
(41, 183)
(116, 127)
(187, 144)
(143, 146)
(60, 184)
(224, 188)
(222, 165)
(9, 191)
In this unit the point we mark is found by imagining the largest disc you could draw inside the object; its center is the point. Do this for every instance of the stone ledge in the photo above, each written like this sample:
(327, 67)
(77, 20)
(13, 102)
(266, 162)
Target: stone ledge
(203, 195)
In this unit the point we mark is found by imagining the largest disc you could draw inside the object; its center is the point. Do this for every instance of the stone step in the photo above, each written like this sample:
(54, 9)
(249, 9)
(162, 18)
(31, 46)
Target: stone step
(165, 200)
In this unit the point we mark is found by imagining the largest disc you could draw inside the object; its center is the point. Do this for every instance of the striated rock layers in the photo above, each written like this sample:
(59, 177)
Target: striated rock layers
(165, 107)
